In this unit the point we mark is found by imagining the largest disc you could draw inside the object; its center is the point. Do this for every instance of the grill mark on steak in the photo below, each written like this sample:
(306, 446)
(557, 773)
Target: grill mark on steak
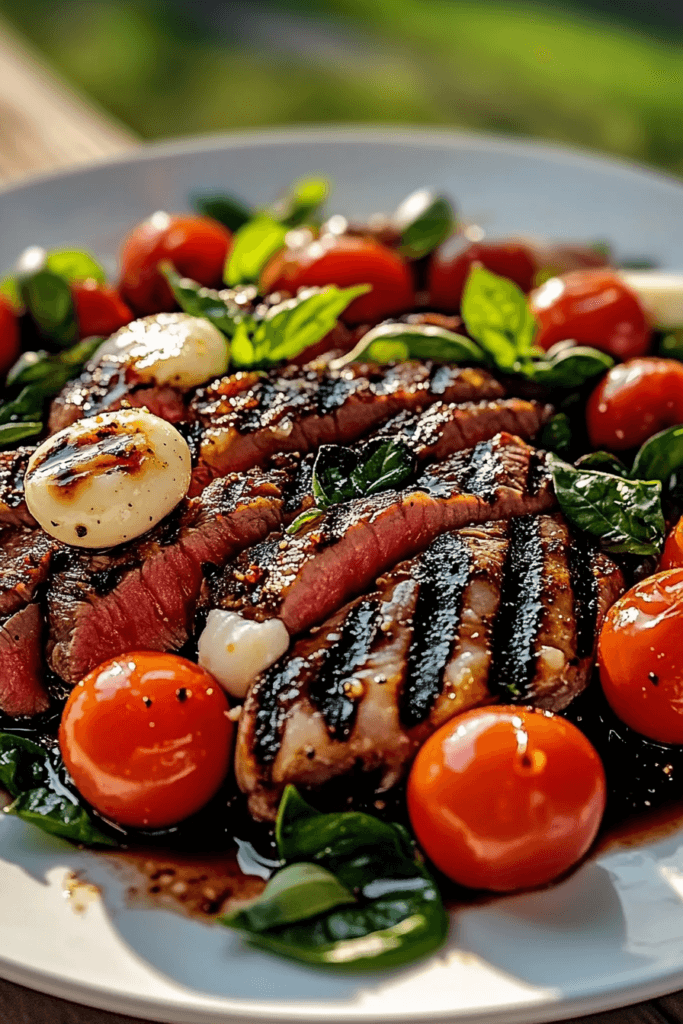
(13, 510)
(442, 573)
(584, 586)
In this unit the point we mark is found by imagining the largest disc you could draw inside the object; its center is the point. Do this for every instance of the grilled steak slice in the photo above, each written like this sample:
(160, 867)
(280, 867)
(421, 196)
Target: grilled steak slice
(367, 688)
(308, 576)
(248, 417)
(22, 691)
(25, 557)
(143, 595)
(13, 511)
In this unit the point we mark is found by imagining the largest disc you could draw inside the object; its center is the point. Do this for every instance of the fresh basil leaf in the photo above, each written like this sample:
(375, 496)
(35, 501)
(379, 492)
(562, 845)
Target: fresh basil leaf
(10, 433)
(74, 265)
(424, 220)
(55, 369)
(625, 515)
(293, 326)
(342, 474)
(252, 247)
(295, 893)
(302, 202)
(556, 435)
(226, 209)
(47, 298)
(497, 315)
(304, 519)
(218, 307)
(603, 461)
(571, 368)
(10, 289)
(40, 797)
(671, 345)
(660, 456)
(396, 342)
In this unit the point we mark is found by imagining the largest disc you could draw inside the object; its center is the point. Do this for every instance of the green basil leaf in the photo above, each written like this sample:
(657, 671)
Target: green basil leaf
(10, 433)
(296, 893)
(342, 474)
(497, 315)
(625, 515)
(47, 298)
(74, 265)
(396, 342)
(55, 370)
(572, 367)
(10, 289)
(226, 209)
(304, 519)
(218, 307)
(556, 435)
(22, 764)
(671, 345)
(302, 202)
(660, 456)
(603, 461)
(252, 247)
(425, 220)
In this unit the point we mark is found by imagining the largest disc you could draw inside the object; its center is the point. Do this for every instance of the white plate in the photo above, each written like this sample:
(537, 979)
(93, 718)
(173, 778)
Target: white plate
(610, 934)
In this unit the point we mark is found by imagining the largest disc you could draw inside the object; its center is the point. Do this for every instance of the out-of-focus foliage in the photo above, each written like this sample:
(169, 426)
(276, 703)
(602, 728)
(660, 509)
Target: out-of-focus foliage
(169, 68)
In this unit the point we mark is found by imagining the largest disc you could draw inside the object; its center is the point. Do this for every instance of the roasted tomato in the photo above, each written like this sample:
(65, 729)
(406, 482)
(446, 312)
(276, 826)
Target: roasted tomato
(672, 555)
(506, 798)
(593, 307)
(147, 738)
(641, 657)
(634, 401)
(99, 308)
(345, 260)
(196, 246)
(10, 347)
(449, 271)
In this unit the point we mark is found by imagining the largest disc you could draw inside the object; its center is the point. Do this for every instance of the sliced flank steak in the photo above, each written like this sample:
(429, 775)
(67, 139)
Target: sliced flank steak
(363, 691)
(13, 510)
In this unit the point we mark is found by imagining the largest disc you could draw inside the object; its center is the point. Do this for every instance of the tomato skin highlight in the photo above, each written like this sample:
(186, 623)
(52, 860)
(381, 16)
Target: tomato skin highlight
(640, 657)
(196, 246)
(448, 273)
(99, 309)
(672, 555)
(10, 344)
(592, 307)
(506, 798)
(146, 738)
(345, 260)
(634, 401)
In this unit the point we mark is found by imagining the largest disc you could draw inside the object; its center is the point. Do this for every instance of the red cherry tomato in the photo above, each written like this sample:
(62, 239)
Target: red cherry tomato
(345, 260)
(10, 347)
(99, 308)
(672, 555)
(641, 657)
(147, 738)
(196, 246)
(634, 401)
(506, 798)
(593, 307)
(448, 273)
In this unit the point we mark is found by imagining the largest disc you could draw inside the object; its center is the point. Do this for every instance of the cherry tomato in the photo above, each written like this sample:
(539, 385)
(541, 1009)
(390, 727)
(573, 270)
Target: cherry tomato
(672, 555)
(506, 798)
(10, 347)
(641, 657)
(593, 307)
(99, 308)
(634, 401)
(449, 272)
(147, 738)
(197, 247)
(345, 260)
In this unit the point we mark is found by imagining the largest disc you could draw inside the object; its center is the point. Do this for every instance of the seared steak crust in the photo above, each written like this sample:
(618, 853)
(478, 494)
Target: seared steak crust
(13, 511)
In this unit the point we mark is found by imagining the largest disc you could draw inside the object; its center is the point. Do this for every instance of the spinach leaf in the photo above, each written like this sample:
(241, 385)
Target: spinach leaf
(218, 307)
(396, 342)
(47, 298)
(295, 893)
(396, 914)
(226, 209)
(31, 775)
(497, 315)
(626, 515)
(604, 461)
(424, 220)
(341, 474)
(252, 247)
(571, 367)
(301, 203)
(556, 435)
(660, 456)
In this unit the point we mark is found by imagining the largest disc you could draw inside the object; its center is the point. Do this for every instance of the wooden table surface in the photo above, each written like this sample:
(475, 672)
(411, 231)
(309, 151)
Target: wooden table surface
(45, 126)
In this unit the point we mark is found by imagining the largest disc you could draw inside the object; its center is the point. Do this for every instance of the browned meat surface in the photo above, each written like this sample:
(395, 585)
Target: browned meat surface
(143, 595)
(247, 417)
(306, 577)
(507, 611)
(13, 511)
(22, 691)
(25, 557)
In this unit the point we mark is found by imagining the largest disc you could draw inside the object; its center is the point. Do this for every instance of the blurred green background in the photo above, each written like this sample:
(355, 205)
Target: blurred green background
(598, 73)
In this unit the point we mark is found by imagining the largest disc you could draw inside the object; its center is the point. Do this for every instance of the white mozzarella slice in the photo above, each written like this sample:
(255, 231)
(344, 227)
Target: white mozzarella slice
(235, 650)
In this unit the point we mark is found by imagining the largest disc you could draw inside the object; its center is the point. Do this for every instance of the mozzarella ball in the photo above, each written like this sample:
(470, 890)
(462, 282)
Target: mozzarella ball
(170, 348)
(235, 650)
(107, 479)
